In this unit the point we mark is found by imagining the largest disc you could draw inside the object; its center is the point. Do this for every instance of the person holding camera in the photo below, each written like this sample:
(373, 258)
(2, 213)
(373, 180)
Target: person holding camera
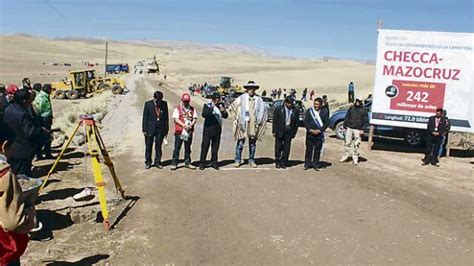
(214, 113)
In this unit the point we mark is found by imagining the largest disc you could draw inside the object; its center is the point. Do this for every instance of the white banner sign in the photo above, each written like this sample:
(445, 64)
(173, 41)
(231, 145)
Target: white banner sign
(419, 72)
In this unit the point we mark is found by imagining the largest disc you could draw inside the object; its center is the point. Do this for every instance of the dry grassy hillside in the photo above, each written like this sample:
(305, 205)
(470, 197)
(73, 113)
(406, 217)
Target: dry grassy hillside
(183, 63)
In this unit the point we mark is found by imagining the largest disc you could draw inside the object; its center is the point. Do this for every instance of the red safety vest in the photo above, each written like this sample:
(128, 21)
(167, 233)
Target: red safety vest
(12, 245)
(183, 116)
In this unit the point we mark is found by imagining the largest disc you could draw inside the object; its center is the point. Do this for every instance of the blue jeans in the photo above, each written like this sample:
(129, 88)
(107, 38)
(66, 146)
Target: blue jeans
(240, 147)
(441, 147)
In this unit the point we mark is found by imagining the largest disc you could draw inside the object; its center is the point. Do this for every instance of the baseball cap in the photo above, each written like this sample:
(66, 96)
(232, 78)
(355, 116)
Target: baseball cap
(186, 97)
(12, 88)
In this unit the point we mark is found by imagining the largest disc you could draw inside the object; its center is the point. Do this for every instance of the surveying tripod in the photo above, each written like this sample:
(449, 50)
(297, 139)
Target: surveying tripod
(96, 147)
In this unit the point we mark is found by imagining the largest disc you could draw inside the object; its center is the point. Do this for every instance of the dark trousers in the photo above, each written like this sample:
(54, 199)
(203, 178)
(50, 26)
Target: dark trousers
(213, 140)
(44, 147)
(282, 148)
(158, 140)
(351, 96)
(432, 149)
(20, 166)
(313, 151)
(14, 263)
(178, 142)
(47, 145)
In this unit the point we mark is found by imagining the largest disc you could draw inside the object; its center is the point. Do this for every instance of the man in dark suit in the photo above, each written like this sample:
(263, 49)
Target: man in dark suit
(285, 127)
(27, 135)
(155, 126)
(316, 121)
(435, 131)
(213, 113)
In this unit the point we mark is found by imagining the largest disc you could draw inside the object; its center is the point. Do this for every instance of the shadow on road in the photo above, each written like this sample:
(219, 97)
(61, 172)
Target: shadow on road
(61, 166)
(395, 145)
(52, 221)
(73, 155)
(123, 214)
(85, 261)
(59, 194)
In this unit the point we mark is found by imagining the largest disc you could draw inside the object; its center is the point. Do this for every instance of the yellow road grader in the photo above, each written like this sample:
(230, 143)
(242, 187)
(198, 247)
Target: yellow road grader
(79, 83)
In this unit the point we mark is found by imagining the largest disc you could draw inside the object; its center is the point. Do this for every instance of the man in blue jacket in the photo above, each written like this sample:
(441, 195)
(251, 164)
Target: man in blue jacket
(316, 121)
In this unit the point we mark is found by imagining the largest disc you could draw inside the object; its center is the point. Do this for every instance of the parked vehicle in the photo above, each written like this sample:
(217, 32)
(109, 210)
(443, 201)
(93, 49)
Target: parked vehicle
(230, 98)
(116, 68)
(412, 136)
(279, 103)
(208, 90)
(268, 101)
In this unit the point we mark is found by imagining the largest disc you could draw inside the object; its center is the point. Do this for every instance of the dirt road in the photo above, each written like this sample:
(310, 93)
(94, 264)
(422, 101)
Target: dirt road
(387, 210)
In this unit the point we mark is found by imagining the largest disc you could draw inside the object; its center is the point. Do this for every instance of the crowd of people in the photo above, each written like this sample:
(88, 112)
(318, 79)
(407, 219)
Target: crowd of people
(196, 88)
(26, 118)
(249, 116)
(277, 94)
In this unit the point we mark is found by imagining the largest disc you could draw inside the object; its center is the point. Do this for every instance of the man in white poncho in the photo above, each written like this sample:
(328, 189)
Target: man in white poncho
(250, 120)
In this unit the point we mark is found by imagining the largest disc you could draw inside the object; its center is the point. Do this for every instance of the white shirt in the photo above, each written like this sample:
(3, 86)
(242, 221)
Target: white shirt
(176, 113)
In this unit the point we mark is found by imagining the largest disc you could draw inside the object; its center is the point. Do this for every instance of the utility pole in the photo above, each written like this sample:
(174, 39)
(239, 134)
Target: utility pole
(106, 54)
(379, 24)
(372, 127)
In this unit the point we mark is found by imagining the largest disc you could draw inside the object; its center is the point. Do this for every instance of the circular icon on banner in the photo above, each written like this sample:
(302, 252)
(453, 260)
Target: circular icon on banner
(391, 91)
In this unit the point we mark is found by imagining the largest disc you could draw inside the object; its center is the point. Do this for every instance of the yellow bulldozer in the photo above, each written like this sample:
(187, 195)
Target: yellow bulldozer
(226, 87)
(79, 83)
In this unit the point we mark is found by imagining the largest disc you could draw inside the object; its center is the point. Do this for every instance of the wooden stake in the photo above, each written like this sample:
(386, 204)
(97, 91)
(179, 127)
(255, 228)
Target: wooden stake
(371, 137)
(106, 55)
(448, 144)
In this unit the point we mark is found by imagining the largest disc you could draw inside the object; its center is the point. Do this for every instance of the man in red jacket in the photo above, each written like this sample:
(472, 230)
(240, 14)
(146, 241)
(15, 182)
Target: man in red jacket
(184, 116)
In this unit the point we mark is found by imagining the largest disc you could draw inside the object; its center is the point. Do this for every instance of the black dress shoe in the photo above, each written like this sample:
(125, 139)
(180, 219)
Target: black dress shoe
(282, 166)
(215, 166)
(201, 167)
(435, 164)
(316, 167)
(159, 165)
(425, 163)
(277, 166)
